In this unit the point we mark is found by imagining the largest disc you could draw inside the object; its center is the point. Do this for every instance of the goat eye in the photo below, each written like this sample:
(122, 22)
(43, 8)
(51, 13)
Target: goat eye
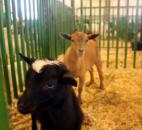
(86, 41)
(50, 86)
(72, 40)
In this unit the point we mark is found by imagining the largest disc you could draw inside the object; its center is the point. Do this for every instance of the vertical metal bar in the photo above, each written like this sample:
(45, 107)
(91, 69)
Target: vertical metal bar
(46, 29)
(100, 18)
(70, 18)
(108, 39)
(11, 54)
(121, 45)
(117, 40)
(21, 33)
(4, 122)
(39, 28)
(3, 55)
(104, 27)
(73, 11)
(126, 41)
(110, 26)
(42, 28)
(58, 43)
(35, 28)
(81, 15)
(17, 47)
(67, 19)
(95, 19)
(90, 18)
(37, 25)
(64, 28)
(58, 29)
(49, 28)
(31, 28)
(85, 18)
(135, 36)
(26, 28)
(113, 29)
(55, 27)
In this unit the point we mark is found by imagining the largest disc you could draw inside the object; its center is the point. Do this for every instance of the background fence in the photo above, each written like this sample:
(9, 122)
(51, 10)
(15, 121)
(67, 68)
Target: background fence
(108, 24)
(32, 27)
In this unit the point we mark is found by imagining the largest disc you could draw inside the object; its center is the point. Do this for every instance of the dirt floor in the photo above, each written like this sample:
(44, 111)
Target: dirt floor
(118, 107)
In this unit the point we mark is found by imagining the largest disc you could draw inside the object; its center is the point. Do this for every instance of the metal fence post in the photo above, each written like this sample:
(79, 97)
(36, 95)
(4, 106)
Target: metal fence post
(126, 42)
(4, 58)
(17, 46)
(108, 35)
(136, 34)
(117, 40)
(4, 122)
(10, 47)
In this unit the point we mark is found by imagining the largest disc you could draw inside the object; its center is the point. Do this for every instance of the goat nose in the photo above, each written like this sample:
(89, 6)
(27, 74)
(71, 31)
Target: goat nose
(81, 50)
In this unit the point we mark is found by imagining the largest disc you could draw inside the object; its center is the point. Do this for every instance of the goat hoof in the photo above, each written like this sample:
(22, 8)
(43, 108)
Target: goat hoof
(102, 88)
(89, 84)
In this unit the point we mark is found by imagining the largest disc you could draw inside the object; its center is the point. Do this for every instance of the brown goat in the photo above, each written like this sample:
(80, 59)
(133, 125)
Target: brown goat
(81, 56)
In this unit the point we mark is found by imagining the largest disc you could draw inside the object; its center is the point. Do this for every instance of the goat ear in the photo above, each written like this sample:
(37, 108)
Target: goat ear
(68, 78)
(65, 36)
(93, 36)
(26, 59)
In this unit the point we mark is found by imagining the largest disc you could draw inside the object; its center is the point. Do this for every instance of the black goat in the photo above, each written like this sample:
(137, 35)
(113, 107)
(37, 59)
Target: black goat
(49, 96)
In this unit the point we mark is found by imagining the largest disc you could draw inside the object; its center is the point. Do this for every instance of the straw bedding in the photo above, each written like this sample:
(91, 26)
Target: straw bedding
(118, 107)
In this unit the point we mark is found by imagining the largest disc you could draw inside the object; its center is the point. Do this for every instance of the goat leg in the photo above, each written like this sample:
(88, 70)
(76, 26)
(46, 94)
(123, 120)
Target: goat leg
(34, 125)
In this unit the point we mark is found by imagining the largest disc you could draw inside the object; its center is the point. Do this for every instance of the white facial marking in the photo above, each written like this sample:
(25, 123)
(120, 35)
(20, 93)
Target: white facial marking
(38, 64)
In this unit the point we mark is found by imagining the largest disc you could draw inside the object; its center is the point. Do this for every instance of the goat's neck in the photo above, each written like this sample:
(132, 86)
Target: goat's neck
(59, 111)
(71, 56)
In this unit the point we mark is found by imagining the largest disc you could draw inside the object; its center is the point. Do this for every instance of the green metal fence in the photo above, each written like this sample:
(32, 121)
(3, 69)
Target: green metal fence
(32, 27)
(95, 22)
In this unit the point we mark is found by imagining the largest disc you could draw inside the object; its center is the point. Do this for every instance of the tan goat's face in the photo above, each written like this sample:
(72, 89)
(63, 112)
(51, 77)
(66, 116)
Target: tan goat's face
(79, 40)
